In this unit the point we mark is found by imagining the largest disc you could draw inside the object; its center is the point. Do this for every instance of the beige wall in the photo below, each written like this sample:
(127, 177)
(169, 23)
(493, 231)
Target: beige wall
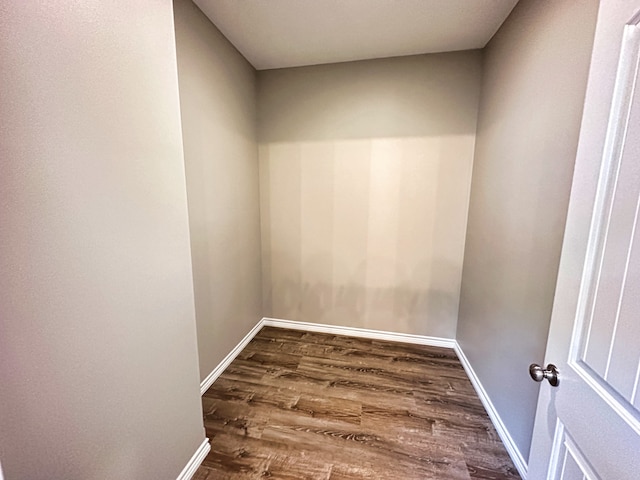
(365, 171)
(218, 104)
(98, 363)
(534, 83)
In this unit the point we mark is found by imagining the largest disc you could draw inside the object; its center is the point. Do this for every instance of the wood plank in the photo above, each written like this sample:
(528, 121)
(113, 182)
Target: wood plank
(298, 404)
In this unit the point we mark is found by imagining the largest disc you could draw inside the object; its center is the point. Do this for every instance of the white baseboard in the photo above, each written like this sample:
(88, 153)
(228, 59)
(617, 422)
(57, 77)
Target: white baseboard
(505, 436)
(360, 332)
(216, 372)
(190, 469)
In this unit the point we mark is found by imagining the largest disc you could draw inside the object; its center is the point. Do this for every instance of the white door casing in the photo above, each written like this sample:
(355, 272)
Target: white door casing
(589, 426)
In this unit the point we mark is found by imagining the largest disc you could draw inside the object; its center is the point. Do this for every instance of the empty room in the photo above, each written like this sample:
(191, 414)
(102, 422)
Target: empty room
(319, 239)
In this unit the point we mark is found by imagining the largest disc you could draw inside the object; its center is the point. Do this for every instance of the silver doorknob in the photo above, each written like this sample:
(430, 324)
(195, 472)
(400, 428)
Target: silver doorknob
(551, 373)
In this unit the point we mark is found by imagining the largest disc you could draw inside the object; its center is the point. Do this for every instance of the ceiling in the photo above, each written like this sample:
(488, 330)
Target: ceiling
(289, 33)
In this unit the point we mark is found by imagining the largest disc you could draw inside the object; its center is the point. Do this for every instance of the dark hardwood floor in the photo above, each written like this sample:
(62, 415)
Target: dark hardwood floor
(300, 405)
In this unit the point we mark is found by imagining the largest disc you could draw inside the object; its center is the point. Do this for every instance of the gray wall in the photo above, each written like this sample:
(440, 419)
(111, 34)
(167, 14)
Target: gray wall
(218, 104)
(365, 170)
(534, 82)
(98, 362)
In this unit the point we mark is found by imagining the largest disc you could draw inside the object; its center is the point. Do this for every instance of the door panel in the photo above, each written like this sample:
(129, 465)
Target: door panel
(606, 339)
(610, 347)
(589, 426)
(571, 463)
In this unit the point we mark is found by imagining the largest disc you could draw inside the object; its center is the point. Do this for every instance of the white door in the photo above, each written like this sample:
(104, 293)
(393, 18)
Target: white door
(589, 425)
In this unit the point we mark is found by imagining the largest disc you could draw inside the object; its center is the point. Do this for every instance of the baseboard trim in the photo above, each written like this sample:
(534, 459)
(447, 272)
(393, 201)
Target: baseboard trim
(216, 372)
(360, 332)
(190, 468)
(512, 449)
